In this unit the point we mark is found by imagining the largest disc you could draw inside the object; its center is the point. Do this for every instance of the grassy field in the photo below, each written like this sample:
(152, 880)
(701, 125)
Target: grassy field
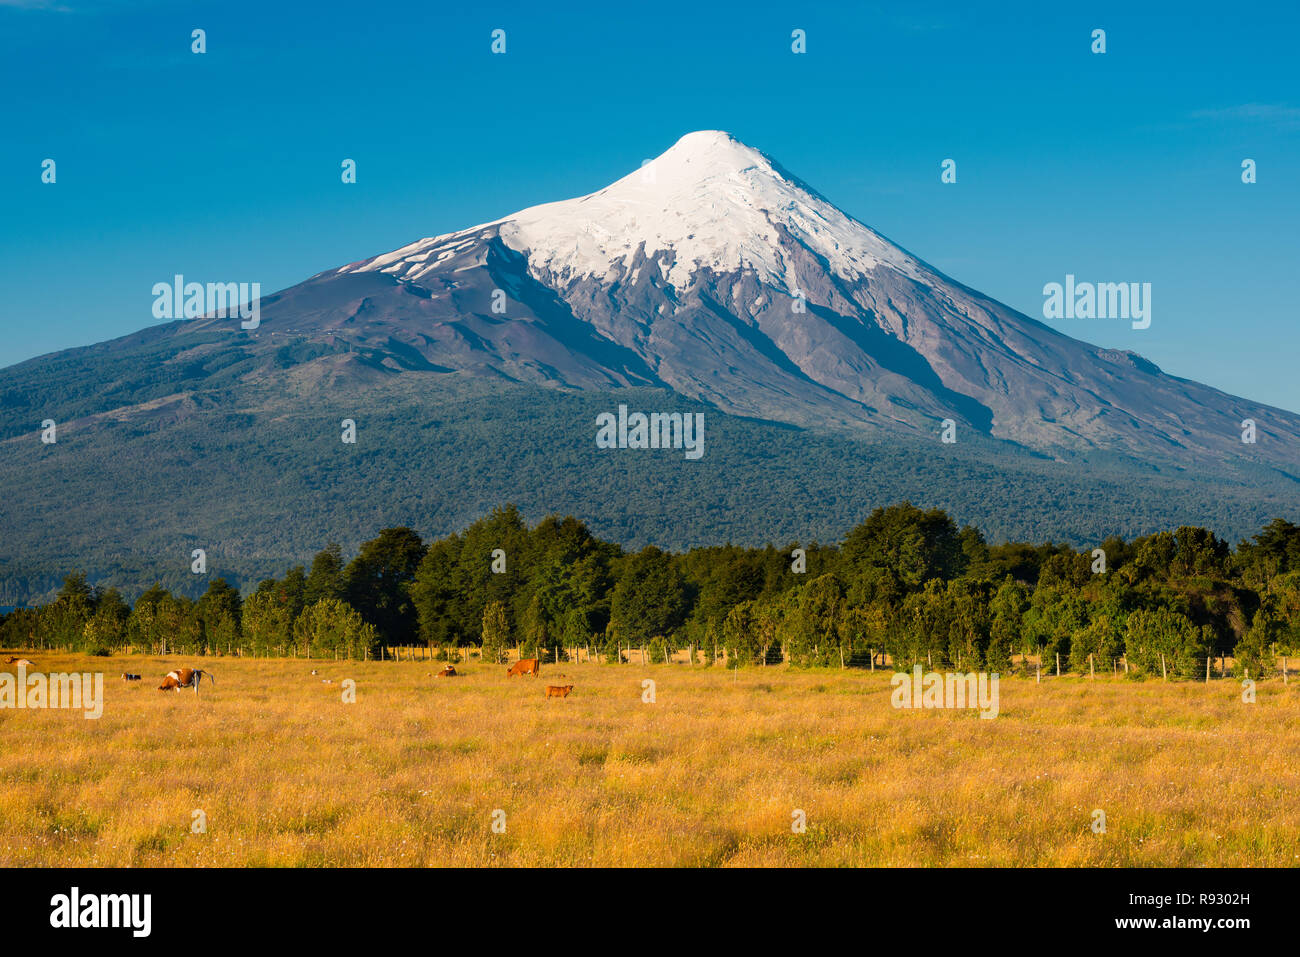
(709, 774)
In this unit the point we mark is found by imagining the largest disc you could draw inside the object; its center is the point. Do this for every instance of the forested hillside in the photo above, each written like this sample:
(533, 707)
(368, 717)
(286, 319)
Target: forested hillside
(258, 477)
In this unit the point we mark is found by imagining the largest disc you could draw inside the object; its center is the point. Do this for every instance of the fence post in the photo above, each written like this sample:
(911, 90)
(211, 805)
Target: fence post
(1092, 671)
(1038, 670)
(1164, 675)
(1207, 668)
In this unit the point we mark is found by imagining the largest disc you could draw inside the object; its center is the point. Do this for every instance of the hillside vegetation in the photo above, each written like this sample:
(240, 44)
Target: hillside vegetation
(257, 475)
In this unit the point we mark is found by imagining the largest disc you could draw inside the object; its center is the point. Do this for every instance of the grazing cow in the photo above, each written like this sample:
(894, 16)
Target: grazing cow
(558, 691)
(525, 666)
(21, 662)
(185, 678)
(448, 672)
(130, 677)
(315, 672)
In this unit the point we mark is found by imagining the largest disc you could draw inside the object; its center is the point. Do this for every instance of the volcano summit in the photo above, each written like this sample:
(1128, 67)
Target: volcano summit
(714, 272)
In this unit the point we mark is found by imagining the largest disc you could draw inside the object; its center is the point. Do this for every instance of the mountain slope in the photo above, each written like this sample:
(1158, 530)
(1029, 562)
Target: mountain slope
(256, 475)
(715, 273)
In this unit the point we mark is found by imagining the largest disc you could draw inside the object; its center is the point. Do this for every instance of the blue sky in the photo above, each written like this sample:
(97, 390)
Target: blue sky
(1117, 167)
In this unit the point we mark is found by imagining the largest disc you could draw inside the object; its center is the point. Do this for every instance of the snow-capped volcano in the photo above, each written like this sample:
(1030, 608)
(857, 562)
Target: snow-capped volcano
(713, 271)
(474, 366)
(709, 201)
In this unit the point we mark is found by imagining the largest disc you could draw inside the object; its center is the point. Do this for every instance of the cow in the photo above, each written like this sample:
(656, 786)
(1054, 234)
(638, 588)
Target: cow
(185, 678)
(20, 662)
(448, 672)
(525, 666)
(130, 677)
(315, 672)
(558, 691)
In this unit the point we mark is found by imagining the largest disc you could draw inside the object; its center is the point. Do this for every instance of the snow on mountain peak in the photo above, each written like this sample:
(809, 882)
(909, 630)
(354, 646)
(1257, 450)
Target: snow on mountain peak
(703, 155)
(710, 201)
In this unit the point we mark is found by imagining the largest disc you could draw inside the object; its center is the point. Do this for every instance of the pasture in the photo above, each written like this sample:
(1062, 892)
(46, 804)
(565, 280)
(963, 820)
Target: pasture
(285, 773)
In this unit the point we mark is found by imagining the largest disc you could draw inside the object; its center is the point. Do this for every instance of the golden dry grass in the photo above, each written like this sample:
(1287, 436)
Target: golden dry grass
(287, 774)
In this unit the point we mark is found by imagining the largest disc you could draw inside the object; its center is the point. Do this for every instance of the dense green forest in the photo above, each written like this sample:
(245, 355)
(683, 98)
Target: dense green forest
(255, 474)
(907, 582)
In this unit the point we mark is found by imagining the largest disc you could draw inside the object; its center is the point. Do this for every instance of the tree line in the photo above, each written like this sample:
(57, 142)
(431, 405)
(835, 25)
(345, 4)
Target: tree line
(907, 583)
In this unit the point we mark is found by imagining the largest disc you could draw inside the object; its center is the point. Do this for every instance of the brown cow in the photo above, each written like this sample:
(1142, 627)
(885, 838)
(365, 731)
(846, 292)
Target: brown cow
(525, 666)
(21, 662)
(448, 672)
(185, 678)
(558, 691)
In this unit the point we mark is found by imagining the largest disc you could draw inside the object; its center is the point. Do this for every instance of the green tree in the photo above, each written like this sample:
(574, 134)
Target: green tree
(106, 630)
(63, 621)
(495, 635)
(913, 545)
(1274, 551)
(1008, 608)
(378, 584)
(1102, 638)
(491, 559)
(649, 598)
(1153, 636)
(331, 627)
(1054, 616)
(816, 623)
(268, 623)
(740, 634)
(144, 629)
(325, 580)
(436, 594)
(219, 612)
(1253, 655)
